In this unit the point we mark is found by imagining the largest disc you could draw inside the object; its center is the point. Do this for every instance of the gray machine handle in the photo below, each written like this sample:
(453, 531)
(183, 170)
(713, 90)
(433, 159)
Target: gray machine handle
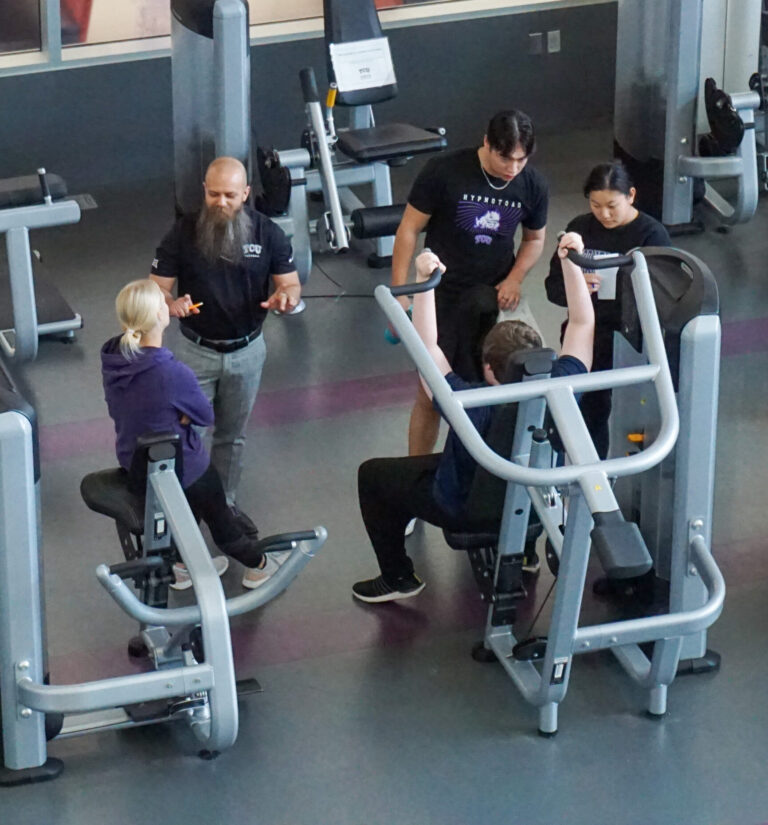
(585, 262)
(413, 288)
(339, 242)
(303, 550)
(41, 174)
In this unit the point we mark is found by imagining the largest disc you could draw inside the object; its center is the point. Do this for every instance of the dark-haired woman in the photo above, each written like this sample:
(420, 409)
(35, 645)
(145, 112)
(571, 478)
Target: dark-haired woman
(612, 226)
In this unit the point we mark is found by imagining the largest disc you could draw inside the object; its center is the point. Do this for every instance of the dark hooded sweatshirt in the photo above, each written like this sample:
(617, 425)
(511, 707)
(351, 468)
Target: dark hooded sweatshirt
(149, 393)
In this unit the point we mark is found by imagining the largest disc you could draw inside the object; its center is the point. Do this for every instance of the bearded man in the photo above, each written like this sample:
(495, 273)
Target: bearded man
(222, 264)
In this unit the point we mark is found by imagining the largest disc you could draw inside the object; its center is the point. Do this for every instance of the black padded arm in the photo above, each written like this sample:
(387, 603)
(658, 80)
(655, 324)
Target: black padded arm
(619, 546)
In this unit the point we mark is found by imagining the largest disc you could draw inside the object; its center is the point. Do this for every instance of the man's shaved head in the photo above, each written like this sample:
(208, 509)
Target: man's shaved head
(226, 167)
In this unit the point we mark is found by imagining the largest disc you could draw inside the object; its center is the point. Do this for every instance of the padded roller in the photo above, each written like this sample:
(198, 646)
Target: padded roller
(309, 86)
(377, 221)
(620, 546)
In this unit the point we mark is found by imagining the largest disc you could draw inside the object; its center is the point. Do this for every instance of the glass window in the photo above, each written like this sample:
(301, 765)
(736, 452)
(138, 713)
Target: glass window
(276, 11)
(106, 21)
(19, 25)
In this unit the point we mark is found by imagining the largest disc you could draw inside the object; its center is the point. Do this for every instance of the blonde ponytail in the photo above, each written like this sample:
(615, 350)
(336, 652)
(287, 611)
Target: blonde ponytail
(137, 306)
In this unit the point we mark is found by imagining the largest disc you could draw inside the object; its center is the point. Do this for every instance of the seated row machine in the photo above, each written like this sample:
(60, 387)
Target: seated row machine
(584, 488)
(190, 648)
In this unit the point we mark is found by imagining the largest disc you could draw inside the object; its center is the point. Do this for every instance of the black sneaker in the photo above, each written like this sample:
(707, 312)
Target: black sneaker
(377, 590)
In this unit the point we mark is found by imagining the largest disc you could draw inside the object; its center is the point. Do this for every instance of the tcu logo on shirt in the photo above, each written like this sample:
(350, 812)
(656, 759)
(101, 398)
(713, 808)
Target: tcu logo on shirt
(251, 250)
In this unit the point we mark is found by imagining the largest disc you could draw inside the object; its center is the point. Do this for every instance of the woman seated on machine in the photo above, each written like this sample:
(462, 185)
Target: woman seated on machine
(612, 226)
(148, 390)
(436, 487)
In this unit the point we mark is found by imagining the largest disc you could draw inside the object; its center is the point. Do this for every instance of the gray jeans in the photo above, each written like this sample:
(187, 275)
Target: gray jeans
(230, 381)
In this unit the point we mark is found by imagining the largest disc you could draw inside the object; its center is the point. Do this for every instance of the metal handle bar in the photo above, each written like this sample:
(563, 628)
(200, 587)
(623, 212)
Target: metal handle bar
(283, 541)
(303, 551)
(42, 177)
(340, 241)
(650, 628)
(585, 262)
(558, 393)
(423, 286)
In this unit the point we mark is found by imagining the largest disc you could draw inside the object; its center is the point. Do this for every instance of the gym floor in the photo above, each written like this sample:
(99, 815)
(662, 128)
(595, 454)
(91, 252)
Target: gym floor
(378, 714)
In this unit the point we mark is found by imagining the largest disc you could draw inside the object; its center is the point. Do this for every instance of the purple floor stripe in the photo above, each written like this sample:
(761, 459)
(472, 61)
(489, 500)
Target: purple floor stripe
(276, 408)
(329, 400)
(353, 627)
(743, 337)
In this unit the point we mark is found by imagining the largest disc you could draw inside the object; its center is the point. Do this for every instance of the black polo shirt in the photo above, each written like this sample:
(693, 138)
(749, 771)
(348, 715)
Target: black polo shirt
(231, 293)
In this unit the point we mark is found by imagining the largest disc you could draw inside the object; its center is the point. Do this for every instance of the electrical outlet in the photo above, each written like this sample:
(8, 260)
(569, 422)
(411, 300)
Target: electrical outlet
(536, 43)
(553, 41)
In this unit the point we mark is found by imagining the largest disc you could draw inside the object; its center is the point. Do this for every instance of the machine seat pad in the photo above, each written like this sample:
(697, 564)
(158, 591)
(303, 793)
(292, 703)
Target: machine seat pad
(482, 539)
(470, 541)
(389, 141)
(26, 191)
(106, 492)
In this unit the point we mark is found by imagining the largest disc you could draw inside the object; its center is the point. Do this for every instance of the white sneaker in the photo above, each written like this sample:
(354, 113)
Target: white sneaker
(184, 580)
(410, 527)
(256, 576)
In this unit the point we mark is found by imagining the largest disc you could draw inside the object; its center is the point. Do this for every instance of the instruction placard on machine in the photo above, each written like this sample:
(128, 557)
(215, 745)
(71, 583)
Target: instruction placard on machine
(362, 64)
(607, 291)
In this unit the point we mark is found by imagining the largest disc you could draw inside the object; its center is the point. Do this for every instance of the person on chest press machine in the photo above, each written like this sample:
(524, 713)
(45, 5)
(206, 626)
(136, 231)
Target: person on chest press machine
(148, 390)
(436, 487)
(226, 258)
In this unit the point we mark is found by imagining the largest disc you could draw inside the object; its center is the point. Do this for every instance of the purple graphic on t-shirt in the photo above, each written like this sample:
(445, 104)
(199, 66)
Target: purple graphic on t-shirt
(486, 220)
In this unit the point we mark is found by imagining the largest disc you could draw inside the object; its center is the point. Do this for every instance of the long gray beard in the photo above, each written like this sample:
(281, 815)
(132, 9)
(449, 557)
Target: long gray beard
(219, 237)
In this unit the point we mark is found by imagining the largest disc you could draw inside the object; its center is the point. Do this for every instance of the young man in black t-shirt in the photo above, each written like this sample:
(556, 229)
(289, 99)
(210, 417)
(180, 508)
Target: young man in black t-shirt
(471, 202)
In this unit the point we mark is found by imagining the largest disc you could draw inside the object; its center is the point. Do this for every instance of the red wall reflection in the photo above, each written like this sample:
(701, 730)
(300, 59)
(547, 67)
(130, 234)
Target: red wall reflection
(75, 16)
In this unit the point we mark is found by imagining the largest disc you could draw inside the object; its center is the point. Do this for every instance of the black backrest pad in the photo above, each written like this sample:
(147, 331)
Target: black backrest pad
(153, 446)
(345, 22)
(25, 190)
(486, 497)
(683, 288)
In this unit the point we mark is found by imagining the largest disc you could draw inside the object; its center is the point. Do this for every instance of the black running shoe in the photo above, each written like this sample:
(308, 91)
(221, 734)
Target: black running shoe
(377, 590)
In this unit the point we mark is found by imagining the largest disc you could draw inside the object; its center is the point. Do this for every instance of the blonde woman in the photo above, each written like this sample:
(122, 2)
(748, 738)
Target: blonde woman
(148, 390)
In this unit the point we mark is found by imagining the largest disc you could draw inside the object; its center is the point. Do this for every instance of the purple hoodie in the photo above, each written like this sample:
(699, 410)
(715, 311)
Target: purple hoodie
(148, 394)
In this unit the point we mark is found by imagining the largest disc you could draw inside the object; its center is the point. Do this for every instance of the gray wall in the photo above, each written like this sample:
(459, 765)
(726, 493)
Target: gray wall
(112, 123)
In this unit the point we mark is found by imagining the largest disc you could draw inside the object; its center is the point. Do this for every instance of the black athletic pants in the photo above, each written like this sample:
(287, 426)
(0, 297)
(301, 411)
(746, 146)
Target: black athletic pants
(208, 502)
(392, 491)
(463, 320)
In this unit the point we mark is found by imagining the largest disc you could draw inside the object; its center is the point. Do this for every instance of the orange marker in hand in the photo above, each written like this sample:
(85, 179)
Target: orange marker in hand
(196, 306)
